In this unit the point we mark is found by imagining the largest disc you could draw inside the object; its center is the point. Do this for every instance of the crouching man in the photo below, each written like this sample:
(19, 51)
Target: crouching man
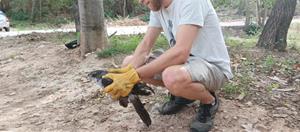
(193, 68)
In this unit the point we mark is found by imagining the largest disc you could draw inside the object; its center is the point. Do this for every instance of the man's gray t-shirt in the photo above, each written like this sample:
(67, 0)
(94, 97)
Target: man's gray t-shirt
(209, 44)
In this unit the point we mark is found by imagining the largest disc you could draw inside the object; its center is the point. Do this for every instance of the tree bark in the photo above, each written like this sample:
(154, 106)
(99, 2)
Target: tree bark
(242, 7)
(275, 31)
(75, 14)
(258, 12)
(124, 8)
(4, 5)
(248, 14)
(35, 10)
(92, 29)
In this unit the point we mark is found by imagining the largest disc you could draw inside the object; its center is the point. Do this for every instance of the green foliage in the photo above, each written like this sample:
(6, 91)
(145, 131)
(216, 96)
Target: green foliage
(231, 88)
(126, 45)
(145, 17)
(19, 11)
(53, 10)
(120, 45)
(63, 38)
(162, 43)
(114, 9)
(272, 86)
(240, 84)
(249, 42)
(109, 11)
(293, 36)
(19, 15)
(268, 3)
(223, 3)
(252, 29)
(286, 66)
(269, 63)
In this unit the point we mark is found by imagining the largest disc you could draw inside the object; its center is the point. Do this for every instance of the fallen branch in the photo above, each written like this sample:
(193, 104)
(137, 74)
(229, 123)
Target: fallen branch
(292, 79)
(112, 34)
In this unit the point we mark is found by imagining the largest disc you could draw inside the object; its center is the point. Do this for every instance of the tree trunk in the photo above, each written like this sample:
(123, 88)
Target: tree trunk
(261, 12)
(241, 8)
(124, 8)
(92, 29)
(258, 12)
(275, 31)
(248, 14)
(75, 14)
(4, 5)
(35, 10)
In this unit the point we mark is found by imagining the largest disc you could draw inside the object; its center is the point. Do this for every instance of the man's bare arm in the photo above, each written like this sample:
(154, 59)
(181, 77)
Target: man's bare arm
(143, 49)
(176, 55)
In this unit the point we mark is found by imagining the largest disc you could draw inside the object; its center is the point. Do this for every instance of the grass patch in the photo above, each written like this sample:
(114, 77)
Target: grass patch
(240, 84)
(127, 44)
(62, 38)
(248, 42)
(293, 36)
(272, 86)
(269, 63)
(28, 25)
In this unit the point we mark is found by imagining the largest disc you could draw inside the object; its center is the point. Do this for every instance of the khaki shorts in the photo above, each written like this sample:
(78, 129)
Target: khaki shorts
(200, 71)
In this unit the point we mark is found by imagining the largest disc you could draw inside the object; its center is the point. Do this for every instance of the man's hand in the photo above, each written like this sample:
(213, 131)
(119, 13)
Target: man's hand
(120, 70)
(123, 82)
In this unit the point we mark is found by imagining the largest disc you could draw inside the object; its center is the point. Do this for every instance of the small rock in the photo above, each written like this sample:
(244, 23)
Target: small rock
(248, 127)
(39, 123)
(261, 128)
(241, 97)
(9, 60)
(235, 117)
(155, 108)
(84, 80)
(296, 99)
(41, 46)
(226, 117)
(280, 115)
(249, 103)
(95, 113)
(12, 94)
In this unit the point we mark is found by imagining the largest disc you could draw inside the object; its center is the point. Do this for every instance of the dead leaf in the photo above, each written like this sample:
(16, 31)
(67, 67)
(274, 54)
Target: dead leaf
(275, 78)
(285, 90)
(296, 67)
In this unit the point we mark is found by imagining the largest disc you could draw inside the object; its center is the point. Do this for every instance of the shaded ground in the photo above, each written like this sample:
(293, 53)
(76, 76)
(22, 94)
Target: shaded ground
(44, 87)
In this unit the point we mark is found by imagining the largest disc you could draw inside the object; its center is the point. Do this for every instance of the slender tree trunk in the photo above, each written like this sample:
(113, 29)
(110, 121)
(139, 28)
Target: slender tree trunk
(274, 34)
(76, 17)
(93, 32)
(261, 13)
(124, 7)
(248, 14)
(241, 8)
(75, 14)
(4, 5)
(258, 12)
(35, 10)
(41, 11)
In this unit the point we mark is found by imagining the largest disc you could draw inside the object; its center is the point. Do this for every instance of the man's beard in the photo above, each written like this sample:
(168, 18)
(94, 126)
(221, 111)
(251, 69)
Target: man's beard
(156, 4)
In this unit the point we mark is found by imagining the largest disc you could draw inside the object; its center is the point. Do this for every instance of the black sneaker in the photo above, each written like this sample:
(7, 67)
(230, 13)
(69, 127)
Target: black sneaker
(205, 116)
(174, 105)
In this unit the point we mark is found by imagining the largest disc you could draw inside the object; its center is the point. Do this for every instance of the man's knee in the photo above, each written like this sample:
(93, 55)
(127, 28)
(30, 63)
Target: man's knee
(175, 79)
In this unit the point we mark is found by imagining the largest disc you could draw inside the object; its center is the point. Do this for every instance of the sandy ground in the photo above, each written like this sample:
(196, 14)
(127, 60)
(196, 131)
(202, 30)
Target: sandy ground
(44, 87)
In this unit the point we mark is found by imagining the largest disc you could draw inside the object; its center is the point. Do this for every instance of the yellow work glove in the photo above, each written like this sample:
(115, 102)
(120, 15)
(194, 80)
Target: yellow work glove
(122, 82)
(120, 70)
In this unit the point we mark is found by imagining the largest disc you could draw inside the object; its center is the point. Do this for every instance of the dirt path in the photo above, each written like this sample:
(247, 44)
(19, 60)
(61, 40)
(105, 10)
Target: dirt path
(118, 28)
(44, 87)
